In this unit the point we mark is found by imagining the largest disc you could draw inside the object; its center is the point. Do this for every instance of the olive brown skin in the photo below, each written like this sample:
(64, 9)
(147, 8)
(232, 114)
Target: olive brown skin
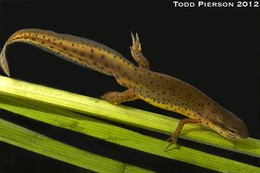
(158, 89)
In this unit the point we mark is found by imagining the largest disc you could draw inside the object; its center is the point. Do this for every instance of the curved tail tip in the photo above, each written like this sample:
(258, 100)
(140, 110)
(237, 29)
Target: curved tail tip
(4, 66)
(6, 71)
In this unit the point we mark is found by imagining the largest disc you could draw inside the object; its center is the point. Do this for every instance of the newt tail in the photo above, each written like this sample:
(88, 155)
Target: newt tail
(158, 89)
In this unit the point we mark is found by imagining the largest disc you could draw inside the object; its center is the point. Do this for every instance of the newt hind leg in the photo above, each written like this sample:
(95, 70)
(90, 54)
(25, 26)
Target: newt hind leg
(174, 137)
(137, 54)
(119, 97)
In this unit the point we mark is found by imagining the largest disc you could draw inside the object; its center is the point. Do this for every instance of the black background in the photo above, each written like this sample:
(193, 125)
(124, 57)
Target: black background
(214, 49)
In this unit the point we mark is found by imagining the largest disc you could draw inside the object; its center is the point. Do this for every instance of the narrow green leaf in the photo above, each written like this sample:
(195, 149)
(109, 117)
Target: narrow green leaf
(84, 124)
(123, 114)
(53, 106)
(24, 138)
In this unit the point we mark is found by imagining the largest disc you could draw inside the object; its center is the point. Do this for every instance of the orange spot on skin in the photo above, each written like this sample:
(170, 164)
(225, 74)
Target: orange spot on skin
(188, 96)
(200, 105)
(214, 111)
(172, 88)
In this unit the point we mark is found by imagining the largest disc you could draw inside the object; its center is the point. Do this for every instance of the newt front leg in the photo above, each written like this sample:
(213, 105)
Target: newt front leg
(174, 137)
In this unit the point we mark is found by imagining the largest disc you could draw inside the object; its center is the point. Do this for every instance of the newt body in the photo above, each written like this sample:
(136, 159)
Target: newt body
(155, 88)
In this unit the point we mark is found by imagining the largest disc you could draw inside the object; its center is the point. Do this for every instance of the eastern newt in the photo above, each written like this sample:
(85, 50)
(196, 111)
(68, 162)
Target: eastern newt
(158, 89)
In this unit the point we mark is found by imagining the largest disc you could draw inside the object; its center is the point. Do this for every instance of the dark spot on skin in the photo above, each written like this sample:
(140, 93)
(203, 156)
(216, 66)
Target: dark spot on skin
(91, 50)
(54, 39)
(69, 54)
(114, 56)
(43, 42)
(218, 124)
(51, 47)
(60, 43)
(81, 53)
(72, 45)
(102, 56)
(48, 39)
(64, 48)
(44, 36)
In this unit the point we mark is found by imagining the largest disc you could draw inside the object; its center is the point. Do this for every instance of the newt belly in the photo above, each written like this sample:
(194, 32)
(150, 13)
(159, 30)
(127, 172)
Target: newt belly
(155, 88)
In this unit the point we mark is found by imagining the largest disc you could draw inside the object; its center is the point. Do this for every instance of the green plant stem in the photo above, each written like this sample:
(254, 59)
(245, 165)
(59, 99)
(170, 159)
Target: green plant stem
(27, 139)
(53, 106)
(123, 114)
(89, 126)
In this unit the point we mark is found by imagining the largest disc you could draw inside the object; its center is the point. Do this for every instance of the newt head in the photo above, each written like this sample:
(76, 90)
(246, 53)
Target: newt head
(232, 127)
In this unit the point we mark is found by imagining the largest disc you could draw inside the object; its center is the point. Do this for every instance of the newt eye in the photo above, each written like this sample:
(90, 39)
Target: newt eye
(232, 131)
